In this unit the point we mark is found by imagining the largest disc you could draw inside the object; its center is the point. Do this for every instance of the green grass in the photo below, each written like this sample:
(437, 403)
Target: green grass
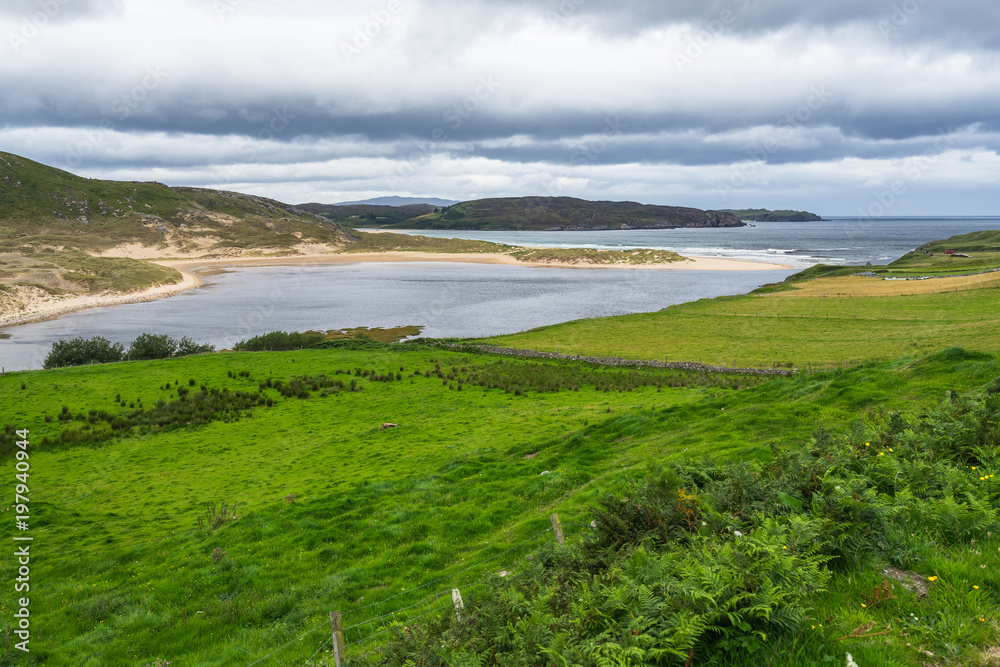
(124, 574)
(387, 242)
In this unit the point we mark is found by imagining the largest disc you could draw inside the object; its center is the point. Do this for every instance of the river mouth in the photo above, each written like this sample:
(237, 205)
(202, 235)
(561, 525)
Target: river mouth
(448, 300)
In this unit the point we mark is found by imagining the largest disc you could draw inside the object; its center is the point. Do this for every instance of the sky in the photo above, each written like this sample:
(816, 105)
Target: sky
(846, 107)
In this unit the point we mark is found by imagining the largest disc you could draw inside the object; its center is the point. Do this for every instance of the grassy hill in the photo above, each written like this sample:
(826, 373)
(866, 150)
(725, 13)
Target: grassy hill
(171, 523)
(764, 215)
(55, 227)
(42, 207)
(563, 213)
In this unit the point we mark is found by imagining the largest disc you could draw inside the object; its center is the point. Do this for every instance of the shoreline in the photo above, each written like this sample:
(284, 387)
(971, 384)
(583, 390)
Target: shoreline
(48, 310)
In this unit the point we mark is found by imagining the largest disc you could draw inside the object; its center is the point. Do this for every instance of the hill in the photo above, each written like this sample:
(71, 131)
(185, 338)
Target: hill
(64, 236)
(42, 207)
(564, 213)
(253, 493)
(764, 215)
(399, 201)
(368, 215)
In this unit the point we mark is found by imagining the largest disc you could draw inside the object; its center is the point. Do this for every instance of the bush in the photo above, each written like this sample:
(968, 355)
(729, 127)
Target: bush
(187, 346)
(277, 341)
(99, 350)
(152, 346)
(82, 351)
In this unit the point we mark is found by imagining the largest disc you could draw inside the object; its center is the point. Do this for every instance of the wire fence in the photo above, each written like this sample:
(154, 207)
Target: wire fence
(371, 626)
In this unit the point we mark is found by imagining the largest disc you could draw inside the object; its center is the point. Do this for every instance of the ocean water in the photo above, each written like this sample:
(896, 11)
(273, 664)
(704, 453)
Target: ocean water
(462, 300)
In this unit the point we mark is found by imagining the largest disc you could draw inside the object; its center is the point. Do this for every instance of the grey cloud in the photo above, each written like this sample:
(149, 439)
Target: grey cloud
(965, 22)
(57, 11)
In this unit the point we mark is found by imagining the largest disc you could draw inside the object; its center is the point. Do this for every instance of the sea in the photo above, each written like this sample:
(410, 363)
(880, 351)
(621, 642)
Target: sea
(474, 300)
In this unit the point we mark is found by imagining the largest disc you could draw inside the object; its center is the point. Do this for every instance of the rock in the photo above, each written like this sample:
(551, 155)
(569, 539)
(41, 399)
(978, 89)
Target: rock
(911, 581)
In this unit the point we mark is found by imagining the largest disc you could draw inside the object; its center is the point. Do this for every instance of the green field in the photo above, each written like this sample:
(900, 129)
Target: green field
(212, 510)
(823, 317)
(123, 573)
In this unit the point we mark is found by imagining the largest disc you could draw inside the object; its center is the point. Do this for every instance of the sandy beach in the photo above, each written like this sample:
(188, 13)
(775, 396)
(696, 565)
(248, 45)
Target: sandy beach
(45, 308)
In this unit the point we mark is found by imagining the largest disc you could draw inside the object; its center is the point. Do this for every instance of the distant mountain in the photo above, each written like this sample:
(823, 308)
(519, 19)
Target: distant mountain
(764, 215)
(563, 213)
(399, 201)
(367, 215)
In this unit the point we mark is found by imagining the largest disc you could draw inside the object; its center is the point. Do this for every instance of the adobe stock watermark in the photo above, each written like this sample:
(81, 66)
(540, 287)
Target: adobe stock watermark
(277, 123)
(121, 108)
(708, 34)
(914, 169)
(741, 174)
(586, 152)
(899, 17)
(454, 117)
(225, 7)
(365, 35)
(564, 9)
(32, 26)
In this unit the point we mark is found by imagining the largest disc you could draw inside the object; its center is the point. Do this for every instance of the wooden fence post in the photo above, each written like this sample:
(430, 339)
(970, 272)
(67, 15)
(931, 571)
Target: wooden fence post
(456, 599)
(337, 632)
(557, 529)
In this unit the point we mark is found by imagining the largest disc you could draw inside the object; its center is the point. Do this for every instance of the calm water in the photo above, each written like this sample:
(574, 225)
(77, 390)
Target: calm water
(447, 299)
(476, 299)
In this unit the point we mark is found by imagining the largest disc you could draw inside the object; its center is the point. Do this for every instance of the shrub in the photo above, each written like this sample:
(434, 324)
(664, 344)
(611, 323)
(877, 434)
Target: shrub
(152, 346)
(187, 346)
(277, 341)
(82, 351)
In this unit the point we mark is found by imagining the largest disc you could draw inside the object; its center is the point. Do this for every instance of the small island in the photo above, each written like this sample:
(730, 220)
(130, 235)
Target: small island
(764, 215)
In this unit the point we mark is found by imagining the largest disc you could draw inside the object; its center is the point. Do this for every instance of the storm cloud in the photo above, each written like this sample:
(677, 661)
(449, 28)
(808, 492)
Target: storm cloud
(727, 103)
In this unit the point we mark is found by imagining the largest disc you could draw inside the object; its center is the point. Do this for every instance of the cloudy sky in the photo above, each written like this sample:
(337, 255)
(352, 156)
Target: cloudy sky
(845, 107)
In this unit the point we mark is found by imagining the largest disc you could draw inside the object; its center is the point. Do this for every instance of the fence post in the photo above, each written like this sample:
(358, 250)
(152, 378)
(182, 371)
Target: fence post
(456, 599)
(557, 529)
(337, 632)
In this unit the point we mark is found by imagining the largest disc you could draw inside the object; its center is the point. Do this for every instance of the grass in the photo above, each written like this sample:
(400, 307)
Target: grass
(823, 317)
(126, 574)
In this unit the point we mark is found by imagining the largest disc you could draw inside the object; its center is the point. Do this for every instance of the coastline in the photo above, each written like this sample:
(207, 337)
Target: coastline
(47, 309)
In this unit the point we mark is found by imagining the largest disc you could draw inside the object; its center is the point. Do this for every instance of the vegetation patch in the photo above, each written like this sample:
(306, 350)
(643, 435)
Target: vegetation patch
(590, 256)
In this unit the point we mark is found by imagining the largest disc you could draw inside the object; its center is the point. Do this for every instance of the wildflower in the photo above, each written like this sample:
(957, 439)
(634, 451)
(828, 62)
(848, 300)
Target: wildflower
(931, 578)
(881, 453)
(982, 619)
(975, 588)
(863, 604)
(868, 444)
(890, 449)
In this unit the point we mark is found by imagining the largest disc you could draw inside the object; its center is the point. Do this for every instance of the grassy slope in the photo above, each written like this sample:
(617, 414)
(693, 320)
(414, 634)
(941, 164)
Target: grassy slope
(824, 316)
(52, 222)
(42, 206)
(123, 574)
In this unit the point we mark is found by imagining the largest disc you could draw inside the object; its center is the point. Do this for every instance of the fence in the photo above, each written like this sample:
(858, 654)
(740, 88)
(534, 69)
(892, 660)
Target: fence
(364, 634)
